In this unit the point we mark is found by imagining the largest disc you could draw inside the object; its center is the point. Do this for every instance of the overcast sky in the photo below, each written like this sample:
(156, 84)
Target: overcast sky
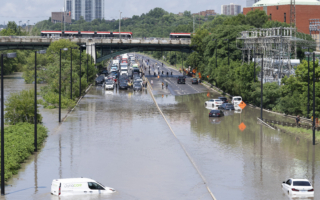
(37, 10)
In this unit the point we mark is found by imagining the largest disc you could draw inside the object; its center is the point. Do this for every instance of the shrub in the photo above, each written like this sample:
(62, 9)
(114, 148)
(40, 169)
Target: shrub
(20, 108)
(19, 145)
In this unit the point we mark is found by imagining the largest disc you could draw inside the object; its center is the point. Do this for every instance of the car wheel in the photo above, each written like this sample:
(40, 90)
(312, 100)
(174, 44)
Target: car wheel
(205, 104)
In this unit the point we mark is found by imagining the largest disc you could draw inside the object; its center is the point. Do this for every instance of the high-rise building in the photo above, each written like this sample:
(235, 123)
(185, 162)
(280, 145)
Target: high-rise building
(88, 9)
(231, 9)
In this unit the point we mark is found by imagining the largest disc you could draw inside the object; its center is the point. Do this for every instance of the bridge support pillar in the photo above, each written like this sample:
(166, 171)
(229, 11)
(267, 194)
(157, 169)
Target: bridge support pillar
(91, 50)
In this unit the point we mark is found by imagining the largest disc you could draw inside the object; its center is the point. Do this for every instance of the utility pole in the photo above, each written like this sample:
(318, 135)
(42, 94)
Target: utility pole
(120, 25)
(193, 23)
(293, 24)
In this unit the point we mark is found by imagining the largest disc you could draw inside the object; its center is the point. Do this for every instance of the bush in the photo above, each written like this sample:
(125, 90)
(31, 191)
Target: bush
(19, 145)
(20, 108)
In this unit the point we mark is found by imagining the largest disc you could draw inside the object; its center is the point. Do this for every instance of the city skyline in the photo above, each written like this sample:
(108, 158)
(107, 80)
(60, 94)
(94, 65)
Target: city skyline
(22, 10)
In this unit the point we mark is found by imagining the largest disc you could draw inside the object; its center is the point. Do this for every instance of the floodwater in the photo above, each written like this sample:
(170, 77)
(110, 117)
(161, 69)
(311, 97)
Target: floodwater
(120, 139)
(248, 164)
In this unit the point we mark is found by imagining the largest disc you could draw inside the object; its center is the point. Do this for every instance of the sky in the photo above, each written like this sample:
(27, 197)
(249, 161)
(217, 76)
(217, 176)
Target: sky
(38, 10)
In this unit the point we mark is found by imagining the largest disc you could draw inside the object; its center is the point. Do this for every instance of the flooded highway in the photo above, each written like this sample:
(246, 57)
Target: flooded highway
(120, 139)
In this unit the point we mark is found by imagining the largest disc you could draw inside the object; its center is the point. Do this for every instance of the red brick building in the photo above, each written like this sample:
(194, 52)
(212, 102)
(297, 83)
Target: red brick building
(279, 10)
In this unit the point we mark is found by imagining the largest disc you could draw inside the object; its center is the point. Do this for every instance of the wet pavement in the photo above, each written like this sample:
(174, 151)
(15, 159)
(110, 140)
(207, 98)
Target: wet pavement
(120, 139)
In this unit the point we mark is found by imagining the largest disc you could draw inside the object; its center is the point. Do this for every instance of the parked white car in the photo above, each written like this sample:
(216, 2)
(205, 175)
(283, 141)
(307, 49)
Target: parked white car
(78, 186)
(109, 85)
(214, 103)
(236, 100)
(298, 187)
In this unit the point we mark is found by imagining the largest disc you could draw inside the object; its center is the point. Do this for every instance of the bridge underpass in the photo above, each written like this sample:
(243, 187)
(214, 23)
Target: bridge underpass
(108, 48)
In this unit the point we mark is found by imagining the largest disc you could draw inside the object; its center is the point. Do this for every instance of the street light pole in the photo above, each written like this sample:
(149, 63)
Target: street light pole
(254, 66)
(308, 86)
(8, 55)
(35, 103)
(60, 90)
(120, 26)
(314, 103)
(35, 100)
(71, 77)
(87, 64)
(2, 130)
(64, 49)
(261, 101)
(80, 75)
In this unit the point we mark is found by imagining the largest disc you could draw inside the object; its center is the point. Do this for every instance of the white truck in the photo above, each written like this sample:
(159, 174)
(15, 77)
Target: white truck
(78, 186)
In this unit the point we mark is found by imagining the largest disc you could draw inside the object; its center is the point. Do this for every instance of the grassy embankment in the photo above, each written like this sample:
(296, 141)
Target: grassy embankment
(19, 145)
(299, 132)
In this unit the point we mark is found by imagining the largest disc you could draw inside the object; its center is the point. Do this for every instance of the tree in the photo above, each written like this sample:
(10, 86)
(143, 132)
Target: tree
(256, 18)
(20, 108)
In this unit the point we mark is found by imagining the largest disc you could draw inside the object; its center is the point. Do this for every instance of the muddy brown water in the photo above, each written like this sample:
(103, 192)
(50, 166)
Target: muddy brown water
(120, 139)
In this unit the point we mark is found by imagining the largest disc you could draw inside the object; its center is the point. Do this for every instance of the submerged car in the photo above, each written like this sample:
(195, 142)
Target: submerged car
(213, 103)
(298, 187)
(226, 106)
(216, 113)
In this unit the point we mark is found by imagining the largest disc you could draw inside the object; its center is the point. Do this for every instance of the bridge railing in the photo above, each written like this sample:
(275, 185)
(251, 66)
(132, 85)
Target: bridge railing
(39, 39)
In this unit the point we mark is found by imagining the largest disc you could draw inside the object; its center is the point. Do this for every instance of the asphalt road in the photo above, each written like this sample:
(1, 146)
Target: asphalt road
(173, 87)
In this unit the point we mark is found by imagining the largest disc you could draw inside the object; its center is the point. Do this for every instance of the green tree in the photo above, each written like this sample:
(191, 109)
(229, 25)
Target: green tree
(20, 108)
(256, 18)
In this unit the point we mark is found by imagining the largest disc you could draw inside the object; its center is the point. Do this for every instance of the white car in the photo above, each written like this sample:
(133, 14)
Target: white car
(236, 100)
(214, 103)
(109, 85)
(78, 186)
(298, 187)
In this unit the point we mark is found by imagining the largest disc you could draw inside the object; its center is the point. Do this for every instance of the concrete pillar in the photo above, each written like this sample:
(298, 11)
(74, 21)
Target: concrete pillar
(90, 46)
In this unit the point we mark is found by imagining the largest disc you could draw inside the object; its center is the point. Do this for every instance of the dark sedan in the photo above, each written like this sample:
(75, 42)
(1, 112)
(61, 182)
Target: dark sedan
(100, 80)
(137, 87)
(216, 113)
(226, 106)
(123, 85)
(181, 80)
(104, 72)
(223, 99)
(194, 81)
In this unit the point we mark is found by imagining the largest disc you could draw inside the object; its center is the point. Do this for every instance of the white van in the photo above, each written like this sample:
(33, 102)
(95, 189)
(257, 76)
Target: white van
(78, 186)
(236, 100)
(116, 62)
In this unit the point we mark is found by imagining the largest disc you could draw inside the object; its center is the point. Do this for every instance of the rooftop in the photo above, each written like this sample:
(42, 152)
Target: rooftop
(284, 2)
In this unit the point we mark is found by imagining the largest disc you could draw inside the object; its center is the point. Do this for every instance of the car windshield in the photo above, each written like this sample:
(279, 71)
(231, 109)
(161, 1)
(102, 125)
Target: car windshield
(301, 183)
(228, 104)
(237, 99)
(109, 83)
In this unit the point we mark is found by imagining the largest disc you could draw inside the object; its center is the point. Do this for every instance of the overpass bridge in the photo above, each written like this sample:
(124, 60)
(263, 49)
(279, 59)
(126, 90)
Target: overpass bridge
(108, 47)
